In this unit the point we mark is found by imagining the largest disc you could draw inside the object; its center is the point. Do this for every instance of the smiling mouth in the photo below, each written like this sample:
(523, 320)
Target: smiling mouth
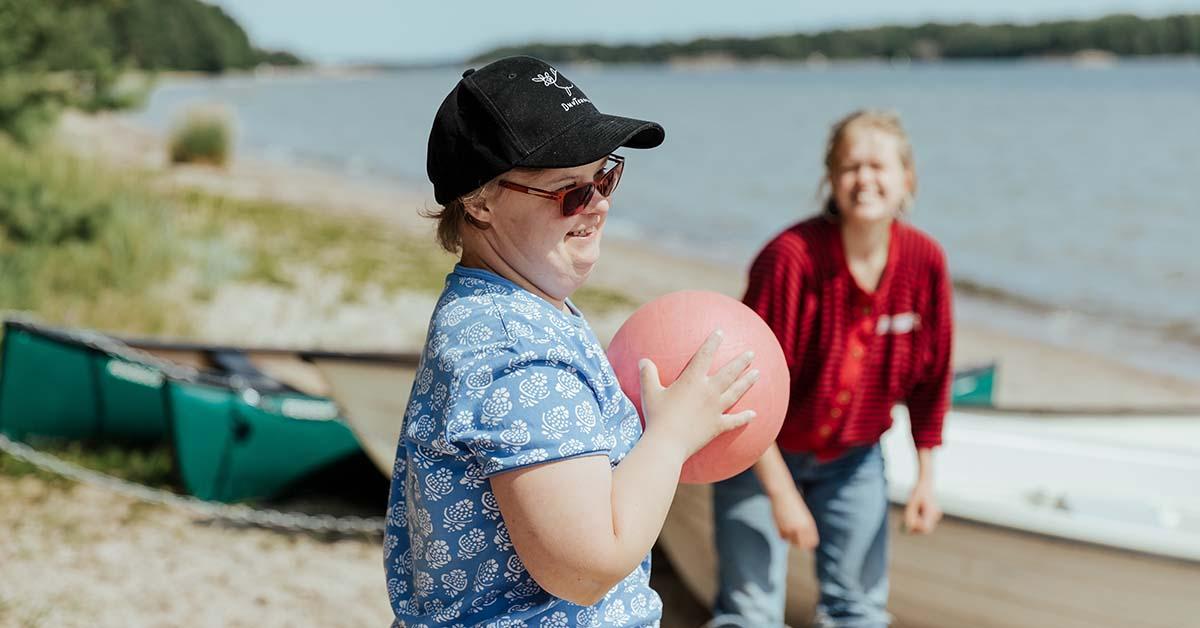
(583, 232)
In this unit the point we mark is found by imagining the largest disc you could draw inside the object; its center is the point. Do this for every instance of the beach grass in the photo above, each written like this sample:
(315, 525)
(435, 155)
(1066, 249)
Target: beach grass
(147, 465)
(594, 299)
(278, 240)
(204, 136)
(81, 243)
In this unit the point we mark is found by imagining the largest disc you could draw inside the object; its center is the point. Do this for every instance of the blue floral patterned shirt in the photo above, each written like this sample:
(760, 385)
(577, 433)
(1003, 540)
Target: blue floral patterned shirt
(506, 380)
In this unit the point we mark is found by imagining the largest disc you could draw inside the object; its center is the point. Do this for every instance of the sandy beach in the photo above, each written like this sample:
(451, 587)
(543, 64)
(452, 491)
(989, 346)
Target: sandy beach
(82, 556)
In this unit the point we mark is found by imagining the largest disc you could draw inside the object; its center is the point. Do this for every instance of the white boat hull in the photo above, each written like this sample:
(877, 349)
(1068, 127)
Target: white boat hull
(1050, 522)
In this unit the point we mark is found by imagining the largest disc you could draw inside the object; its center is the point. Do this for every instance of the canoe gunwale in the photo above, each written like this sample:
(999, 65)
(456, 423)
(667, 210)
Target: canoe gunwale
(253, 391)
(137, 350)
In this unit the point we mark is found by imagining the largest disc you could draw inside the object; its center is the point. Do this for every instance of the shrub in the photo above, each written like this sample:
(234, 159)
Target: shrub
(204, 136)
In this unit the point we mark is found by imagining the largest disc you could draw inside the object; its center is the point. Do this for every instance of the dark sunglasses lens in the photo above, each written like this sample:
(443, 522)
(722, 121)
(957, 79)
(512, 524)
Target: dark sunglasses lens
(608, 183)
(575, 200)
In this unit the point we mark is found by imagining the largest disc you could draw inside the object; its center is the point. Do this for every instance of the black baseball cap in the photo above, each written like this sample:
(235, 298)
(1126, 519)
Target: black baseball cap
(520, 112)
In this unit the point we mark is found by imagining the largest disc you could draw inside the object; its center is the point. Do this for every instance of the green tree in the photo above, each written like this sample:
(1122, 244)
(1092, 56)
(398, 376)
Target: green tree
(39, 41)
(73, 53)
(1119, 34)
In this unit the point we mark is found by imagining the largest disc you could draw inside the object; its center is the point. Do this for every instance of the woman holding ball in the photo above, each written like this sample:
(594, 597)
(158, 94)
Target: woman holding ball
(525, 492)
(861, 303)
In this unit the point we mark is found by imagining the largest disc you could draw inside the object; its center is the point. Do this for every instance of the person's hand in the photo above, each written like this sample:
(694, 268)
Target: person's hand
(794, 520)
(691, 411)
(922, 513)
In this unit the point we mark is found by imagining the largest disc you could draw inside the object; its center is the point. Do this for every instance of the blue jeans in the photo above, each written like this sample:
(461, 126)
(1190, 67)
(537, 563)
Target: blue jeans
(848, 499)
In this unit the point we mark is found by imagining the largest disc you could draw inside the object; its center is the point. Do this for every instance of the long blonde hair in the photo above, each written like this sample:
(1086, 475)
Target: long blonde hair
(885, 121)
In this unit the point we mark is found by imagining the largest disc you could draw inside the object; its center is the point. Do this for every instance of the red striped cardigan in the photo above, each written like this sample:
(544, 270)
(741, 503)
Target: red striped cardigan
(854, 354)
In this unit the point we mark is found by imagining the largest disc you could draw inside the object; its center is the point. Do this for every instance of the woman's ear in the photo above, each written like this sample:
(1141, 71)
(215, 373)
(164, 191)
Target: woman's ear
(477, 213)
(910, 197)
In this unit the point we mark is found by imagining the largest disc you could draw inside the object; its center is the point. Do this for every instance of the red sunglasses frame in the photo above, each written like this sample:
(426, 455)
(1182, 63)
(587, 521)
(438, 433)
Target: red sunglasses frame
(612, 174)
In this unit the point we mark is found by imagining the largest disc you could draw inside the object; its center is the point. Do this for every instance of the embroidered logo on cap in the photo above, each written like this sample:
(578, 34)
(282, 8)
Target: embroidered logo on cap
(550, 79)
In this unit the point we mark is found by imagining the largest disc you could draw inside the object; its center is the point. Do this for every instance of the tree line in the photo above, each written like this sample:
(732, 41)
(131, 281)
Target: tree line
(187, 35)
(74, 53)
(1121, 34)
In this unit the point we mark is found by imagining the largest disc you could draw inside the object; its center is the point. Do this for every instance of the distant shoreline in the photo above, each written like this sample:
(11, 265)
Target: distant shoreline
(1118, 35)
(358, 71)
(707, 61)
(1084, 58)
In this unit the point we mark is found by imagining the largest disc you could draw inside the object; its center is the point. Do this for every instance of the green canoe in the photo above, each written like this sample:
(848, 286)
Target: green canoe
(234, 443)
(78, 386)
(236, 429)
(973, 387)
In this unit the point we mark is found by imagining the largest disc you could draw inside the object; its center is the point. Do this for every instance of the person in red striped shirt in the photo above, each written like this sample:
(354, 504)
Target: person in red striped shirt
(861, 303)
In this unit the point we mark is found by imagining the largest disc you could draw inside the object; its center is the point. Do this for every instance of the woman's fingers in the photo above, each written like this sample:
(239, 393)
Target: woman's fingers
(921, 517)
(734, 391)
(732, 369)
(911, 520)
(648, 373)
(930, 515)
(702, 361)
(734, 421)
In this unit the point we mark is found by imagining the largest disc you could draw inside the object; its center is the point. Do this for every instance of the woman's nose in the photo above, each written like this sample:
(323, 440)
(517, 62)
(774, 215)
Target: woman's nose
(599, 204)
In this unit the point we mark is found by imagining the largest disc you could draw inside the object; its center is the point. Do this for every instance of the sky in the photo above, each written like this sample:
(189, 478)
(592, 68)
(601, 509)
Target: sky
(326, 31)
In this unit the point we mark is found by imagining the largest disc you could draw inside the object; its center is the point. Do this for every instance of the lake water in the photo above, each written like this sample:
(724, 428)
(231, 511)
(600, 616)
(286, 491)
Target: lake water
(1065, 196)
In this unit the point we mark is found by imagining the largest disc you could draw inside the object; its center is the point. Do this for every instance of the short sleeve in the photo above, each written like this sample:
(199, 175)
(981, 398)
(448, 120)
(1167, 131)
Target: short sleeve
(510, 418)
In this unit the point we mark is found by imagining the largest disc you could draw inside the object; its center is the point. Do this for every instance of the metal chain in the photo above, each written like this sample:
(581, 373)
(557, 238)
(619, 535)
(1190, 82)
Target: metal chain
(267, 518)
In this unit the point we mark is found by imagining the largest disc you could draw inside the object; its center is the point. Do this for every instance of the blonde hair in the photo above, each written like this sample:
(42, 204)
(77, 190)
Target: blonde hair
(885, 121)
(451, 216)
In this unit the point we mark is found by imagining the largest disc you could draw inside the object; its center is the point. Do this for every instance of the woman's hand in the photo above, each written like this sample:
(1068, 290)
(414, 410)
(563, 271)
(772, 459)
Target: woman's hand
(793, 519)
(691, 411)
(922, 513)
(580, 526)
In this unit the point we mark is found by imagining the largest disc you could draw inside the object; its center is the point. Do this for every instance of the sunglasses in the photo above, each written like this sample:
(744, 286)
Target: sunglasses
(574, 199)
